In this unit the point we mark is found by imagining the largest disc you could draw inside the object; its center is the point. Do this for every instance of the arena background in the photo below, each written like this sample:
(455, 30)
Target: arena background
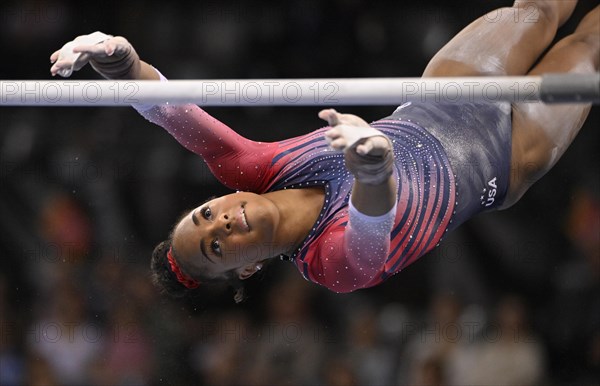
(86, 193)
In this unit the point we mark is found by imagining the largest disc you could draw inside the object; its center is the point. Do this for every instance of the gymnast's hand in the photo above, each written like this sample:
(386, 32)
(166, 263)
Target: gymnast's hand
(368, 152)
(112, 57)
(351, 132)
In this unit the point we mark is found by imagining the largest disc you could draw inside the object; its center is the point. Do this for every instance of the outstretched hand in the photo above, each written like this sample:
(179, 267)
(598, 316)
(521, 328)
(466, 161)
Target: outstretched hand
(112, 57)
(367, 151)
(349, 131)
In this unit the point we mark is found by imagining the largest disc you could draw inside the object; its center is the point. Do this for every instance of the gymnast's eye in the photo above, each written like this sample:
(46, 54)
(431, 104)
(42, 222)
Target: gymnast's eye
(206, 212)
(215, 245)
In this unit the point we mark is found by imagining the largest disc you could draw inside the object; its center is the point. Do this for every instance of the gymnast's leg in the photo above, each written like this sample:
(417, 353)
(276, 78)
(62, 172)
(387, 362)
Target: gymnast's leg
(506, 41)
(509, 41)
(542, 133)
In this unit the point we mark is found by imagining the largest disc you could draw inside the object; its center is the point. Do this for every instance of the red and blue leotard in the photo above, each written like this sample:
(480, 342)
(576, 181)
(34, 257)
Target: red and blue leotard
(342, 252)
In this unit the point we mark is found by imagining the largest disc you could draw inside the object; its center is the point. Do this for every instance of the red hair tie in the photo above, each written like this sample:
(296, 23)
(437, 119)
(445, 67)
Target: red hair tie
(184, 279)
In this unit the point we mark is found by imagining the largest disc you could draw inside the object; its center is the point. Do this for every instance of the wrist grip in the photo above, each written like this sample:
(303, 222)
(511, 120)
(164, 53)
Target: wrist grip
(368, 169)
(127, 67)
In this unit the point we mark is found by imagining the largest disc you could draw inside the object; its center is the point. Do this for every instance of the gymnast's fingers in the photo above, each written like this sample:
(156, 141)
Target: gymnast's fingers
(110, 47)
(339, 143)
(365, 148)
(60, 66)
(332, 134)
(118, 45)
(93, 50)
(330, 115)
(376, 146)
(54, 56)
(81, 61)
(334, 137)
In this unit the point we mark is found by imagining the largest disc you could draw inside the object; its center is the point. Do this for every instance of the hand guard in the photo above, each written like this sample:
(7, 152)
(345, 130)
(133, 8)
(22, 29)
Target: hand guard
(112, 57)
(368, 152)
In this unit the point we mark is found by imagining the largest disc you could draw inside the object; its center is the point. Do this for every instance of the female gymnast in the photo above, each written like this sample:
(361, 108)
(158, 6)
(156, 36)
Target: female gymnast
(375, 197)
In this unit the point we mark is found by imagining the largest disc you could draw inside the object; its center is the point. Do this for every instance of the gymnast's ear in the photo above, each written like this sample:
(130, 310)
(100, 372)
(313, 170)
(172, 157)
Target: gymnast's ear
(250, 270)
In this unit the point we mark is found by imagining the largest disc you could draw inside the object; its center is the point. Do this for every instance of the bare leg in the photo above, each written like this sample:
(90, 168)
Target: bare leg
(506, 41)
(509, 41)
(542, 133)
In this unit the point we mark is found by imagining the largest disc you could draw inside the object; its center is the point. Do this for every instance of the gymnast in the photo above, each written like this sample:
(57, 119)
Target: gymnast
(375, 197)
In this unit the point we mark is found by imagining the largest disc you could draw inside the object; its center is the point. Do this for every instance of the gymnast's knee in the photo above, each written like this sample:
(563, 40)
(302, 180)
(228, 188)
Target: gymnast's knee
(588, 45)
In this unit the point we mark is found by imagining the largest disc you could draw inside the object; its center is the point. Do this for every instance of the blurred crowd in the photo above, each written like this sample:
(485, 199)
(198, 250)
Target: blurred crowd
(511, 298)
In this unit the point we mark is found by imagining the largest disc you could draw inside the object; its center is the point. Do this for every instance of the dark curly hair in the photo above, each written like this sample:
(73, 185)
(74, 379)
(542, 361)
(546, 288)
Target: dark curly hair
(166, 280)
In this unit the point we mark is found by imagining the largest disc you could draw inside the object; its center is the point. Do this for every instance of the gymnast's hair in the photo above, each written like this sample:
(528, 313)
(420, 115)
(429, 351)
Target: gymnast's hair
(166, 280)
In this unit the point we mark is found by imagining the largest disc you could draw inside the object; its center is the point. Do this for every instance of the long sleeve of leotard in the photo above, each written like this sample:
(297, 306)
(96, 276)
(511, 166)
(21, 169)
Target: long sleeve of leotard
(366, 245)
(353, 256)
(237, 162)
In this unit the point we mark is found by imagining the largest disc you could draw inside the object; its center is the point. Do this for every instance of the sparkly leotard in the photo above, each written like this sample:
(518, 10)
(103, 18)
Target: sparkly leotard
(343, 252)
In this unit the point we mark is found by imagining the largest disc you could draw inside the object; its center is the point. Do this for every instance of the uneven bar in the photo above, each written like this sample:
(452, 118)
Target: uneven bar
(563, 88)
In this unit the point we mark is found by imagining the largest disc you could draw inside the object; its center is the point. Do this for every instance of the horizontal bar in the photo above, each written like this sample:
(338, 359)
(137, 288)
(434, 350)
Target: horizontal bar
(294, 92)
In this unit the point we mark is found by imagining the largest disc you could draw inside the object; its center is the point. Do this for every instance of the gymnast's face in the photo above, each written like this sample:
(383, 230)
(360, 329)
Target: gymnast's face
(229, 232)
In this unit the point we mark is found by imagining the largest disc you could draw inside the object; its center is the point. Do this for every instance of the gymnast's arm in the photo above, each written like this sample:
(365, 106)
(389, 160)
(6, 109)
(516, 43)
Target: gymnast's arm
(368, 155)
(372, 207)
(237, 162)
(147, 72)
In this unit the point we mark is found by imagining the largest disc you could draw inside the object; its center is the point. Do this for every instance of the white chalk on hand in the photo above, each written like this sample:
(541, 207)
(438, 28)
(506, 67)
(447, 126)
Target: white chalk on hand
(66, 52)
